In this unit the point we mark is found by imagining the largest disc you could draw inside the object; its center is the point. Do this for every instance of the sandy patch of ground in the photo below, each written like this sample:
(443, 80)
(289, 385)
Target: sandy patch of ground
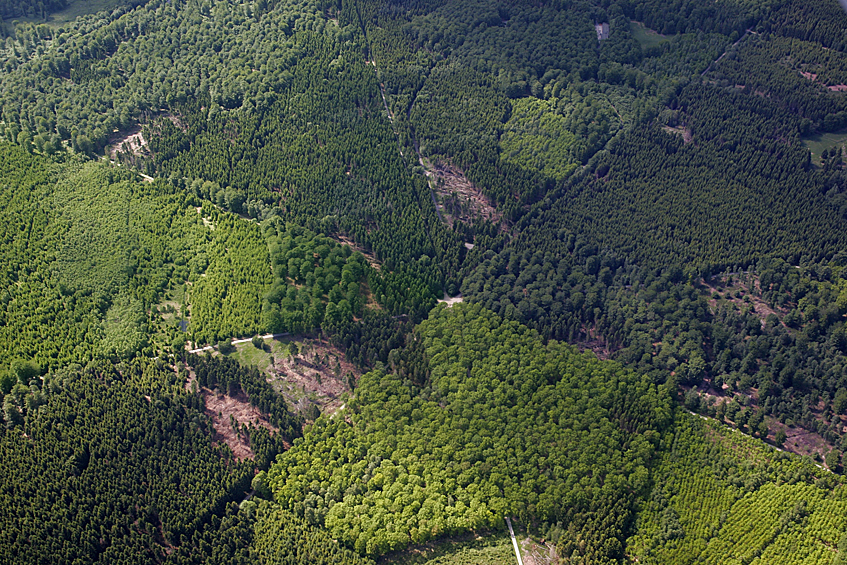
(206, 221)
(596, 346)
(227, 414)
(800, 441)
(534, 553)
(192, 377)
(686, 134)
(318, 373)
(450, 300)
(372, 260)
(177, 122)
(594, 342)
(743, 290)
(131, 143)
(742, 295)
(458, 198)
(833, 87)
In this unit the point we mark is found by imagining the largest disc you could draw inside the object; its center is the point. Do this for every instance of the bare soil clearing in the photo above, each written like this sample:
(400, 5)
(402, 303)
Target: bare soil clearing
(459, 199)
(594, 342)
(833, 87)
(317, 374)
(131, 142)
(450, 300)
(686, 134)
(800, 441)
(742, 295)
(227, 410)
(372, 260)
(534, 553)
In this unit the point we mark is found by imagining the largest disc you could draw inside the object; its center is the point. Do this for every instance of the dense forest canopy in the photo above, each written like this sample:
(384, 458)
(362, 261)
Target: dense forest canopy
(181, 176)
(478, 440)
(115, 463)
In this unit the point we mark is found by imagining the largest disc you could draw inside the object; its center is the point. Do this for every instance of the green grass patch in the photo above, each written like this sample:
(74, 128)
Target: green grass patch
(821, 142)
(280, 347)
(646, 36)
(248, 355)
(73, 11)
(464, 550)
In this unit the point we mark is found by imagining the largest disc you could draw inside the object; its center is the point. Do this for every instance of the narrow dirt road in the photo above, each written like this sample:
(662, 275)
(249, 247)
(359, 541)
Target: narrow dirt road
(718, 60)
(237, 341)
(514, 541)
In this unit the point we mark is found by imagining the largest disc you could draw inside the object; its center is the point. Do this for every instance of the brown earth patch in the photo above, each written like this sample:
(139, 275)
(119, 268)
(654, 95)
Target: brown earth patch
(372, 260)
(129, 143)
(760, 93)
(192, 378)
(593, 342)
(176, 121)
(742, 295)
(686, 134)
(800, 441)
(459, 199)
(227, 413)
(534, 553)
(833, 87)
(450, 300)
(317, 374)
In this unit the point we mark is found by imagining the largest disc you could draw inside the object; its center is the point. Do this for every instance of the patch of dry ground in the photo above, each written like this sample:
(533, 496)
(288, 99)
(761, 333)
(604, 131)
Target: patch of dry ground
(742, 295)
(225, 411)
(594, 342)
(800, 441)
(318, 373)
(450, 300)
(372, 260)
(534, 553)
(176, 120)
(459, 200)
(130, 142)
(228, 412)
(686, 134)
(743, 291)
(833, 87)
